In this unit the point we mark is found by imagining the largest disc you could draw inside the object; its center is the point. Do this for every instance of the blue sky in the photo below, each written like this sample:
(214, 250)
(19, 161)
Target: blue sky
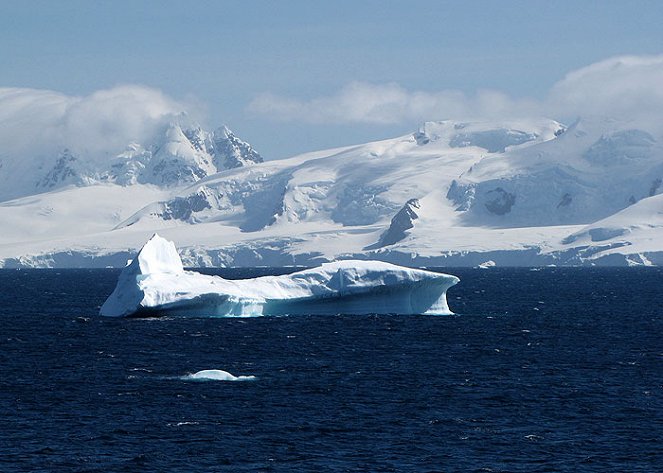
(261, 66)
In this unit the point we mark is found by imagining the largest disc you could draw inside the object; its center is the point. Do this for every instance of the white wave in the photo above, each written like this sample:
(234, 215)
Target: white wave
(180, 424)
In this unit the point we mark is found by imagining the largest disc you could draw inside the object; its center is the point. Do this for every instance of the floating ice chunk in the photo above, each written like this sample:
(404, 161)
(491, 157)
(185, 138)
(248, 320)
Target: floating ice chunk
(155, 283)
(215, 375)
(487, 264)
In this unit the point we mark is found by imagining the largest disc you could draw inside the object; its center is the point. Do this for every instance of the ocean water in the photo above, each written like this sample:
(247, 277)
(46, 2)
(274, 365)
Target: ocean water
(556, 370)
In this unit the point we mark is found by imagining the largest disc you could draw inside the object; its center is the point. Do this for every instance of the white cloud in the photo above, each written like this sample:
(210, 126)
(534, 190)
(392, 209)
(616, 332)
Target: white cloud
(42, 121)
(622, 87)
(625, 87)
(361, 102)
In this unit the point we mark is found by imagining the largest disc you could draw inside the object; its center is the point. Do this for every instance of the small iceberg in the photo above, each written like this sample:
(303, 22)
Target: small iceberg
(487, 264)
(215, 375)
(155, 283)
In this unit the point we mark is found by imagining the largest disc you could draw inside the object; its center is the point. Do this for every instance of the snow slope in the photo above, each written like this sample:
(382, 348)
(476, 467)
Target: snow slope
(637, 230)
(527, 192)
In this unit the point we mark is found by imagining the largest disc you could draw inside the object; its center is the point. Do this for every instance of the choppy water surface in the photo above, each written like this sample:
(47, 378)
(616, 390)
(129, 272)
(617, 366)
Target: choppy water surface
(550, 370)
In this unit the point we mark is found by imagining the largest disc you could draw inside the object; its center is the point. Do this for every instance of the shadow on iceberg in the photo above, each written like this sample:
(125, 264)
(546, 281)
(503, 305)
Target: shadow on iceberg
(155, 283)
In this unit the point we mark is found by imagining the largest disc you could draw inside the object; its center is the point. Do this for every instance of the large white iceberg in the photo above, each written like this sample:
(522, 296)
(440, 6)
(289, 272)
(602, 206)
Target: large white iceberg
(155, 283)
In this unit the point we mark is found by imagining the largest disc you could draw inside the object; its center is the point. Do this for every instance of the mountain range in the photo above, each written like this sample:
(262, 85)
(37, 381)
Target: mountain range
(528, 192)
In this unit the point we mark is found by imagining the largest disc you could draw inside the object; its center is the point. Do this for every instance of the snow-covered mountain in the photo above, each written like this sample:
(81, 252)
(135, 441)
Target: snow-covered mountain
(526, 192)
(591, 171)
(178, 154)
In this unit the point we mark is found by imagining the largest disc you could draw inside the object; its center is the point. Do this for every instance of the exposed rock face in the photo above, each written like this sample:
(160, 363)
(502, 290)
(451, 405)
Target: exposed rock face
(64, 172)
(461, 195)
(189, 209)
(565, 201)
(231, 152)
(500, 202)
(183, 208)
(400, 224)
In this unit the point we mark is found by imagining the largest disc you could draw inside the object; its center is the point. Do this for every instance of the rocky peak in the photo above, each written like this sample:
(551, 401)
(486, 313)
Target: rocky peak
(63, 172)
(199, 139)
(231, 152)
(400, 223)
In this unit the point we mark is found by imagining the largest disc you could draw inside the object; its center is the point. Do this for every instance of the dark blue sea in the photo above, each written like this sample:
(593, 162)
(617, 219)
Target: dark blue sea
(556, 370)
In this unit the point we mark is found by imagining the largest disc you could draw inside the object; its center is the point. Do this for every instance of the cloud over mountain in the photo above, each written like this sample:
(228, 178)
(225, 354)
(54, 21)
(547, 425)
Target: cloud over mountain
(35, 121)
(627, 87)
(361, 102)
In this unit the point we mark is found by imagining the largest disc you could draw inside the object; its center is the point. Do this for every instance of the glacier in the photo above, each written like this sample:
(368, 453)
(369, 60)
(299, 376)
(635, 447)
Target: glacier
(155, 283)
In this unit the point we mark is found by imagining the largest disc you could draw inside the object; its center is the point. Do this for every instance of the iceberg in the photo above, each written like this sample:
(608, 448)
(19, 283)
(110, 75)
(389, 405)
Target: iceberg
(155, 283)
(215, 375)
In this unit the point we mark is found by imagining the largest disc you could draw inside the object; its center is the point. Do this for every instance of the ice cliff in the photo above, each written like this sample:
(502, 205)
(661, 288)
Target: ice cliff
(156, 283)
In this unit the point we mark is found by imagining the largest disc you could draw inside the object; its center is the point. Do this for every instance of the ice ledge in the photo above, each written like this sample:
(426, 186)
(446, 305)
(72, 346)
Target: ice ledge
(155, 283)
